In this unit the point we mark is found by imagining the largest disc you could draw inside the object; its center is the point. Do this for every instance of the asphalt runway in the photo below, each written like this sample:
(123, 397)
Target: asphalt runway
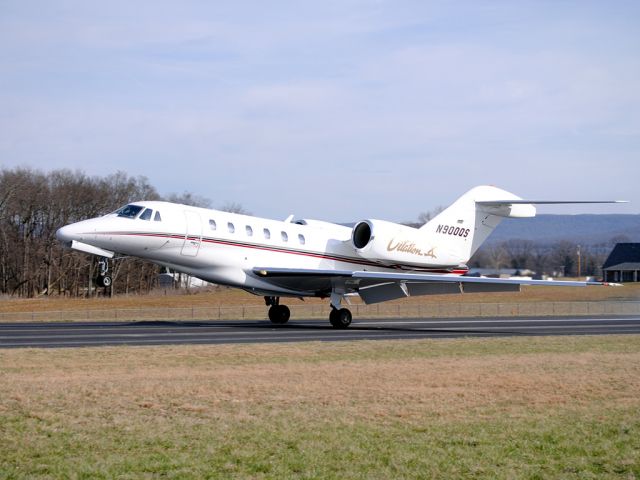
(89, 334)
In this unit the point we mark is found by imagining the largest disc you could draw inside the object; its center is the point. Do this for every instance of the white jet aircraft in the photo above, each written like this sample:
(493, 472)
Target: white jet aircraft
(375, 259)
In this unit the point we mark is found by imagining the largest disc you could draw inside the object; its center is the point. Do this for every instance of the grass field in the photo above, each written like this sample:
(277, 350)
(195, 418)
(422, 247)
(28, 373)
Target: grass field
(515, 408)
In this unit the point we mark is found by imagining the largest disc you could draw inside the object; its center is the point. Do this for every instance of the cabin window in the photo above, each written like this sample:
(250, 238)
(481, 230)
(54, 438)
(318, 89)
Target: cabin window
(157, 218)
(146, 215)
(267, 233)
(129, 211)
(231, 227)
(301, 239)
(212, 224)
(285, 237)
(249, 231)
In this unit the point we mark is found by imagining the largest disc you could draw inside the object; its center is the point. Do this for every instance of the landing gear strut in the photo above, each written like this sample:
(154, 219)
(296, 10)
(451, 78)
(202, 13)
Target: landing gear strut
(339, 317)
(103, 279)
(278, 314)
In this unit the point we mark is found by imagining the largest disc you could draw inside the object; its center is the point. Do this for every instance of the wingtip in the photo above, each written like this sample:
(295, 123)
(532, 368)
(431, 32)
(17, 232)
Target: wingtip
(605, 284)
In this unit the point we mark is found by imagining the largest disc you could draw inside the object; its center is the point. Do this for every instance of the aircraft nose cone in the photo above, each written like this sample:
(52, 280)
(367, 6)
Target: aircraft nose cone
(65, 234)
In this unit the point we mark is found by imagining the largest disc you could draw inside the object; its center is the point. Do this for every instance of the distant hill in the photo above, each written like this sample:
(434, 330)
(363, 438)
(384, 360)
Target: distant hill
(583, 229)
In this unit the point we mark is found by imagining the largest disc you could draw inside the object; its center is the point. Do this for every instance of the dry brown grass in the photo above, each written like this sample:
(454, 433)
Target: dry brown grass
(221, 296)
(499, 408)
(238, 380)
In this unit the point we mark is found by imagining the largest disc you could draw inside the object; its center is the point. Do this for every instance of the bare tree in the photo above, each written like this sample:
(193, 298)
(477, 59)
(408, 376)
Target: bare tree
(427, 216)
(519, 253)
(188, 198)
(234, 207)
(497, 257)
(563, 257)
(33, 205)
(424, 217)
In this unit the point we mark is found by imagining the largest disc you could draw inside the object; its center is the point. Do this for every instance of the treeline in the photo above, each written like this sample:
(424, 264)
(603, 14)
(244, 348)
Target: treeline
(33, 205)
(562, 258)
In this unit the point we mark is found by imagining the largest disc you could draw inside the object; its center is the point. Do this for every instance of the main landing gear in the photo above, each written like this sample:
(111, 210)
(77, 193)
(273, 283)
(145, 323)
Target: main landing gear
(103, 279)
(279, 314)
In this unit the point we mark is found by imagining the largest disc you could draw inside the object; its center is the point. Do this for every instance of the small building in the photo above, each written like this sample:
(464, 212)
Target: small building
(623, 263)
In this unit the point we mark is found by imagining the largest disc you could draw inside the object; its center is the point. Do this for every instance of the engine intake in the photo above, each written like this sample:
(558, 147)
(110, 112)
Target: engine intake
(362, 235)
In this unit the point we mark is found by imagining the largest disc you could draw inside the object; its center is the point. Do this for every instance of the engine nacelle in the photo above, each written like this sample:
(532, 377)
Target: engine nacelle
(390, 243)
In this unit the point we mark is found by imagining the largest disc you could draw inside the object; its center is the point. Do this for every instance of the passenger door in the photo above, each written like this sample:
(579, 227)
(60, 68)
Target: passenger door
(193, 234)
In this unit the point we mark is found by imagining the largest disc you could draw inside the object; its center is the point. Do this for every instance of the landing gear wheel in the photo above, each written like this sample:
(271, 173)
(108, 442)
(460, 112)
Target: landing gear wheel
(279, 314)
(340, 318)
(103, 281)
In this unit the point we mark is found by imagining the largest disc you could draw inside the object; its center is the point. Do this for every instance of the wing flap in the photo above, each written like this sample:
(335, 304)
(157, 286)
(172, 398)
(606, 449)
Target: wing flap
(382, 293)
(489, 287)
(432, 288)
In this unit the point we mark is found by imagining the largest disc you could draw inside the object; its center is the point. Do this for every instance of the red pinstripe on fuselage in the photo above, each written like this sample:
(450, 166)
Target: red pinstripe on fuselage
(290, 251)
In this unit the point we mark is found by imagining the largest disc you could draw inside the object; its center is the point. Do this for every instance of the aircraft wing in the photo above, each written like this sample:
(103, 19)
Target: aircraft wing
(374, 287)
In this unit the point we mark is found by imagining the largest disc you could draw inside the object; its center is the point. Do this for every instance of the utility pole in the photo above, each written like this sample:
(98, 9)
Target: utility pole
(579, 266)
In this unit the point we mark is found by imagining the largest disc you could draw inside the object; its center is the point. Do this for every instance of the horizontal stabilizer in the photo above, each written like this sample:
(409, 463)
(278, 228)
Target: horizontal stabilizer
(502, 203)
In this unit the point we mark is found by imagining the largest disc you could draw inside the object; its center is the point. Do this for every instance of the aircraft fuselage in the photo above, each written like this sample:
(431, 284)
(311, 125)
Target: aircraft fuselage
(225, 248)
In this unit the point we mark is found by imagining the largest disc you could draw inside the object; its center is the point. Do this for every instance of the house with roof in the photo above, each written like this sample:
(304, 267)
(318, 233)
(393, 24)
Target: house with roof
(623, 263)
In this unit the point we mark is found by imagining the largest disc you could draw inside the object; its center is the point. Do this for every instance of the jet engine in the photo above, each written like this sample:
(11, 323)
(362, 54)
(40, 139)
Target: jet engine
(390, 243)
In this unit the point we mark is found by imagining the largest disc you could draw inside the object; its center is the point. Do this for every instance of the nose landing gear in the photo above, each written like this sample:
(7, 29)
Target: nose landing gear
(103, 279)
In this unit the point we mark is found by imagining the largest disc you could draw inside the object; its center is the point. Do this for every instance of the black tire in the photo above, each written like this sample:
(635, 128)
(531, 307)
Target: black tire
(106, 281)
(340, 318)
(279, 314)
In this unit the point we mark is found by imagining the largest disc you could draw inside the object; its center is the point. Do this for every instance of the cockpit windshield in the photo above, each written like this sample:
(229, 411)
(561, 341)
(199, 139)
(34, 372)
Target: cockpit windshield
(146, 215)
(129, 211)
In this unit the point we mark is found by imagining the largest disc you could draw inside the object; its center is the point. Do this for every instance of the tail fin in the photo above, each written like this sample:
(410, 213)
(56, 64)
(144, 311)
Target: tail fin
(459, 230)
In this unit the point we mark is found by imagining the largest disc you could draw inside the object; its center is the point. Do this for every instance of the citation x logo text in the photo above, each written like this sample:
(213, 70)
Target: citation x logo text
(406, 246)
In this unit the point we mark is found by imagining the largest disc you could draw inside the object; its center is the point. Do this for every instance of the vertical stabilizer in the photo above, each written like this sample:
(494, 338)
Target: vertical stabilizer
(459, 230)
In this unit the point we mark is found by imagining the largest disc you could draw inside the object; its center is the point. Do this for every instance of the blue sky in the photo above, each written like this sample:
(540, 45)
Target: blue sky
(337, 110)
